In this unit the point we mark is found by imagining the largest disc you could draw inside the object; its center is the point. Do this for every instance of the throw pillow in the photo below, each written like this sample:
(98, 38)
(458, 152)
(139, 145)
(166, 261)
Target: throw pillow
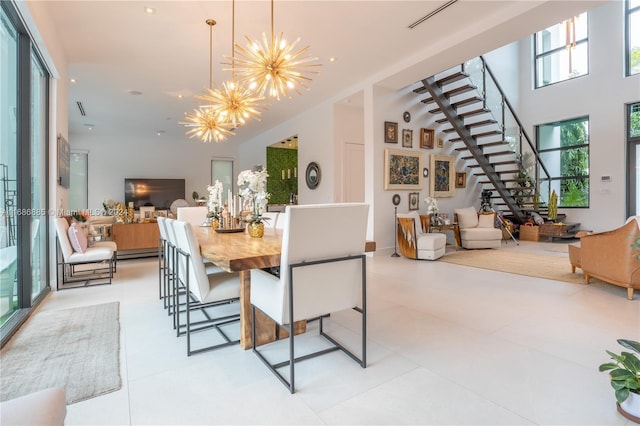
(486, 220)
(467, 217)
(77, 238)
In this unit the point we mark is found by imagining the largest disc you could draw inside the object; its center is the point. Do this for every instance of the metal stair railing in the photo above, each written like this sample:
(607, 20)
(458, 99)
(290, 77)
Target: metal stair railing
(513, 133)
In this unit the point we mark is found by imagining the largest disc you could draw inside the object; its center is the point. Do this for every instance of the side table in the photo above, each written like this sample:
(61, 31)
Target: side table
(452, 227)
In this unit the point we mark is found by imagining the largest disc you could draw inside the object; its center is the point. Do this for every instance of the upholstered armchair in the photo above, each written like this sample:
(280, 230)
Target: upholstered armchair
(478, 229)
(609, 256)
(414, 240)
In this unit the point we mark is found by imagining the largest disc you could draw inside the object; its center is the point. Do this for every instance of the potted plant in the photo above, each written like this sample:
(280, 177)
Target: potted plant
(624, 371)
(253, 187)
(215, 203)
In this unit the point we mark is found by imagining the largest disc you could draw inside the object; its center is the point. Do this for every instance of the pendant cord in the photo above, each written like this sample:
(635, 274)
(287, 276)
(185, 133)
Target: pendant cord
(233, 40)
(272, 23)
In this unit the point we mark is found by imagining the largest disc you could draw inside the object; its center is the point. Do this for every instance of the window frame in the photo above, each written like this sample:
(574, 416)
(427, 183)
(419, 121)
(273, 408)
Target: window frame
(633, 142)
(628, 11)
(560, 149)
(540, 56)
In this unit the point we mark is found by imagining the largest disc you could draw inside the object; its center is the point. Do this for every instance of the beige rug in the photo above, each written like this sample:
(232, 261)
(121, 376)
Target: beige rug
(517, 262)
(77, 349)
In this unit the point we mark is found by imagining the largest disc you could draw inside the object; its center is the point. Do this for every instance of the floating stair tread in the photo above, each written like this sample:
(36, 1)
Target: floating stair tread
(480, 123)
(497, 163)
(498, 171)
(473, 113)
(489, 154)
(452, 78)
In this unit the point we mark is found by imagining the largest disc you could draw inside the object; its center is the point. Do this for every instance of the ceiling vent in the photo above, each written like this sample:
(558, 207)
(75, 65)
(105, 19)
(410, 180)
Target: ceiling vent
(81, 108)
(431, 14)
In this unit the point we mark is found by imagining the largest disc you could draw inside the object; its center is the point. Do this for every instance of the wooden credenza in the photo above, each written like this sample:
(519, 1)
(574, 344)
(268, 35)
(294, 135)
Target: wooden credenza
(135, 236)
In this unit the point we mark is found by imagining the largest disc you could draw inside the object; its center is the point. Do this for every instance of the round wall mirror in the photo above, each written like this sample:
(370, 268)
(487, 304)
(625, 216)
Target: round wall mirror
(312, 175)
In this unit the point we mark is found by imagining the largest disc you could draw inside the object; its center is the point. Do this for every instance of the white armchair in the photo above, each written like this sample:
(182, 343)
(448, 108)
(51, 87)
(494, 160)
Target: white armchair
(103, 257)
(478, 229)
(322, 270)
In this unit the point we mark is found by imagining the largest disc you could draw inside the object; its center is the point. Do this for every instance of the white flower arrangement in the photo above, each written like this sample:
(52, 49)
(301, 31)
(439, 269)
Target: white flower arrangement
(253, 186)
(215, 199)
(432, 205)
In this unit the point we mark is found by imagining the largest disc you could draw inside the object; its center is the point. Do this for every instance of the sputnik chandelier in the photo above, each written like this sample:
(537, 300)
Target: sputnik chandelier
(273, 68)
(234, 101)
(205, 121)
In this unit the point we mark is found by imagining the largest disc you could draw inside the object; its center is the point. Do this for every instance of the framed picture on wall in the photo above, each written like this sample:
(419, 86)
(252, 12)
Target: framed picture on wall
(64, 162)
(407, 138)
(402, 169)
(390, 132)
(442, 176)
(426, 138)
(461, 180)
(414, 202)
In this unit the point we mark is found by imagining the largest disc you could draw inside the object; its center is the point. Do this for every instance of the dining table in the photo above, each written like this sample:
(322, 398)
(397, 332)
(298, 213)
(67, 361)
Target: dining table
(239, 252)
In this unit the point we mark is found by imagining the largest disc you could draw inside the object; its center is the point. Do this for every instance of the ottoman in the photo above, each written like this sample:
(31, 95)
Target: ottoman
(431, 246)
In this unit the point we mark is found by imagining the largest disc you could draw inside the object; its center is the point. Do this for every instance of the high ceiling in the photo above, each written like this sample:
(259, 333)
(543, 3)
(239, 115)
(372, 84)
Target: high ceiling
(116, 49)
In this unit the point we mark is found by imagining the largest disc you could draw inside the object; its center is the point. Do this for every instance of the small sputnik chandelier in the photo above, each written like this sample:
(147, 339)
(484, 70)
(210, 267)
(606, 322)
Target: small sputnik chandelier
(205, 121)
(273, 68)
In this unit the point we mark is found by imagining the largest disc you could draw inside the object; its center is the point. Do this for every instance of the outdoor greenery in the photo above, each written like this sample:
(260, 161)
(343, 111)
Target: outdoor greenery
(574, 192)
(634, 125)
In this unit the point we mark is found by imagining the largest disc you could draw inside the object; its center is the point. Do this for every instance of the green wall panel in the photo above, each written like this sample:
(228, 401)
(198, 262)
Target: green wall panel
(279, 159)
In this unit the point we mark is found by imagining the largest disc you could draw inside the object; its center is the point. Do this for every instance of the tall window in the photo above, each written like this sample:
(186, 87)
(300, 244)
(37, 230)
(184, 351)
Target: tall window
(633, 156)
(24, 115)
(8, 167)
(562, 51)
(564, 150)
(632, 14)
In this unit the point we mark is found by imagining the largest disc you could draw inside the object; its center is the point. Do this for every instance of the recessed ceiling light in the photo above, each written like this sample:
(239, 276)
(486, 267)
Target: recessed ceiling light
(73, 80)
(160, 132)
(332, 59)
(90, 126)
(150, 10)
(135, 92)
(180, 96)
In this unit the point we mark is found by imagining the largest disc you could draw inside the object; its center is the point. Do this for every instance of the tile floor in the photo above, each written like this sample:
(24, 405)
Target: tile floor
(447, 344)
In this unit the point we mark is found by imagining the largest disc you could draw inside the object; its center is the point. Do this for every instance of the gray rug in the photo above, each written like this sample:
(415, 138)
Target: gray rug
(77, 349)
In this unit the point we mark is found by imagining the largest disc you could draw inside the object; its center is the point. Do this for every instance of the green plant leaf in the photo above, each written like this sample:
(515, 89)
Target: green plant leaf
(632, 384)
(631, 362)
(621, 374)
(618, 384)
(622, 395)
(616, 357)
(630, 344)
(608, 366)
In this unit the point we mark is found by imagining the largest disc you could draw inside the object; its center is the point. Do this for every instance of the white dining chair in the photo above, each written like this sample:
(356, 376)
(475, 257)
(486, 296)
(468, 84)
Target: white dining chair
(196, 216)
(316, 279)
(204, 291)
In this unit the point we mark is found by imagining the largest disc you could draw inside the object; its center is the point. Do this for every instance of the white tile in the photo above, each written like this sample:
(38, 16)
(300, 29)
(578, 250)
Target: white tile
(447, 344)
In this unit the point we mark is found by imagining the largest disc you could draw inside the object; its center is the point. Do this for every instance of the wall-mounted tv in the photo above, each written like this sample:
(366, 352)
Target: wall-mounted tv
(159, 193)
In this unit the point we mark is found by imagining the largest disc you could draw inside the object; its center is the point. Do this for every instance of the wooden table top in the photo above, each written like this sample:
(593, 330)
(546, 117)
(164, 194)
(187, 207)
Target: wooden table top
(235, 252)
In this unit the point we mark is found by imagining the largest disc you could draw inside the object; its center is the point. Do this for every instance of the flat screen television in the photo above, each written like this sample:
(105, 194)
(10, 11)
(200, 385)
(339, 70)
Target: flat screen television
(159, 193)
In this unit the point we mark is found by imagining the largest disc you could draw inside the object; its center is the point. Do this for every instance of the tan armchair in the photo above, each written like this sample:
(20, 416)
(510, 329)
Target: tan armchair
(608, 256)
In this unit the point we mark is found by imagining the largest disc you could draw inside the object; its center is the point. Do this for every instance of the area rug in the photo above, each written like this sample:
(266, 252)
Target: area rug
(76, 349)
(516, 262)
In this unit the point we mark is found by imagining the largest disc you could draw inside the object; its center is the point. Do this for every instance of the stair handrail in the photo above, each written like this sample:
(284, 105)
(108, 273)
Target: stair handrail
(506, 102)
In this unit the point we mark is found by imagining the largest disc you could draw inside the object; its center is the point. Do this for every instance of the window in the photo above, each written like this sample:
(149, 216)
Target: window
(564, 150)
(633, 156)
(632, 21)
(562, 51)
(24, 124)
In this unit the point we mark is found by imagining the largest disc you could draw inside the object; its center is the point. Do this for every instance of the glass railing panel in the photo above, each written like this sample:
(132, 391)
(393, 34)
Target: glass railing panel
(493, 99)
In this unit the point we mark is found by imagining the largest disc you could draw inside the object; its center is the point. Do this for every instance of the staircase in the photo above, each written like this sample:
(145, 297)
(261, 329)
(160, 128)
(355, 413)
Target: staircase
(489, 137)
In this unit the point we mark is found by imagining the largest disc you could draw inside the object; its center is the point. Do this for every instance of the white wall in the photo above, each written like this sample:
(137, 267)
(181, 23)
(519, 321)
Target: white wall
(110, 162)
(601, 95)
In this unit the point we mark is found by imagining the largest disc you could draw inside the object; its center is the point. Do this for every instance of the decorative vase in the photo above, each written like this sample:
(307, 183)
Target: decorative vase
(256, 229)
(215, 223)
(630, 408)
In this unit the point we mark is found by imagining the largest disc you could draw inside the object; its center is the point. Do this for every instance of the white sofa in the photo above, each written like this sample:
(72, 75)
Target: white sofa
(43, 408)
(477, 229)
